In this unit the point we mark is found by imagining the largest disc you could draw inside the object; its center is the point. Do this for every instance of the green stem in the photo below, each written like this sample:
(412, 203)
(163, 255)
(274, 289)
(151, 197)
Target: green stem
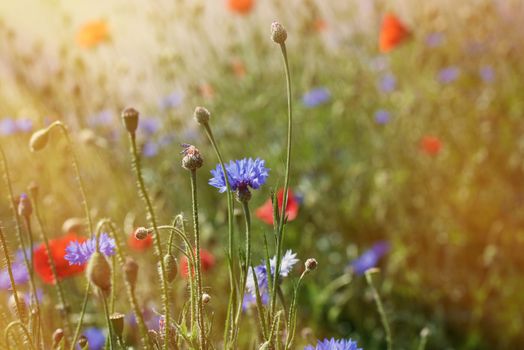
(292, 320)
(424, 333)
(198, 269)
(24, 329)
(380, 308)
(82, 314)
(10, 272)
(156, 237)
(108, 320)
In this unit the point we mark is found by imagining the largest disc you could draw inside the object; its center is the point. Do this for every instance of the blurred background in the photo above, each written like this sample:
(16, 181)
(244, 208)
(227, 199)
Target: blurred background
(408, 123)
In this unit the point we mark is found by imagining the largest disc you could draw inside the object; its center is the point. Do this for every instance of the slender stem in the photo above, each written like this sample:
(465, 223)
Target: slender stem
(380, 308)
(108, 320)
(424, 333)
(156, 237)
(82, 314)
(10, 272)
(24, 329)
(198, 268)
(113, 283)
(292, 320)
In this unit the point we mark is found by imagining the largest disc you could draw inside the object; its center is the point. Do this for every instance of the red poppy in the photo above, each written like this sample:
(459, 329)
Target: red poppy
(240, 6)
(431, 145)
(207, 261)
(238, 67)
(265, 212)
(139, 244)
(57, 248)
(320, 25)
(206, 90)
(392, 33)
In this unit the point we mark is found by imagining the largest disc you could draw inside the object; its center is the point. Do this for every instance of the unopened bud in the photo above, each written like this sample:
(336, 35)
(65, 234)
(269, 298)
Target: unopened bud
(25, 208)
(311, 264)
(73, 225)
(58, 335)
(192, 158)
(243, 195)
(39, 140)
(117, 322)
(82, 342)
(201, 115)
(278, 33)
(206, 298)
(141, 233)
(99, 271)
(130, 271)
(130, 119)
(170, 266)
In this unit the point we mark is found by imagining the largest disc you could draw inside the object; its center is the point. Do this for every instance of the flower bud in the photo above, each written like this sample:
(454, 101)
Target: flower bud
(25, 208)
(311, 264)
(201, 115)
(39, 140)
(11, 303)
(170, 266)
(130, 271)
(278, 33)
(141, 233)
(192, 158)
(58, 335)
(206, 298)
(82, 342)
(243, 195)
(99, 271)
(73, 225)
(117, 322)
(130, 119)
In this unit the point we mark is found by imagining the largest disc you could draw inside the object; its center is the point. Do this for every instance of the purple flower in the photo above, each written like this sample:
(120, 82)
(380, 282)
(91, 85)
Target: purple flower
(9, 126)
(24, 125)
(79, 253)
(100, 119)
(316, 97)
(251, 300)
(150, 149)
(332, 344)
(434, 39)
(448, 75)
(241, 174)
(20, 275)
(39, 296)
(370, 257)
(149, 125)
(95, 338)
(487, 74)
(382, 116)
(173, 100)
(388, 83)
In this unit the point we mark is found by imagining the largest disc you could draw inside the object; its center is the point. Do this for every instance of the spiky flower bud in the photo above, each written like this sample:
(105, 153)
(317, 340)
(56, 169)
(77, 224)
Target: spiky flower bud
(206, 298)
(58, 335)
(25, 209)
(192, 158)
(170, 266)
(141, 233)
(99, 271)
(82, 342)
(11, 303)
(130, 271)
(311, 264)
(201, 115)
(117, 322)
(39, 140)
(130, 119)
(278, 33)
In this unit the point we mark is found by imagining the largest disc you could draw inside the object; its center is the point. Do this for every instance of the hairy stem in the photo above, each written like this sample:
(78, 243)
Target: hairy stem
(380, 307)
(10, 272)
(82, 314)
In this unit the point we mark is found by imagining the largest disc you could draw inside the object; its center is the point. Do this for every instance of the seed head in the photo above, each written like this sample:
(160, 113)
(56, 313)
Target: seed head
(39, 140)
(170, 266)
(25, 208)
(130, 119)
(141, 233)
(117, 321)
(201, 115)
(192, 158)
(278, 33)
(99, 271)
(130, 271)
(311, 264)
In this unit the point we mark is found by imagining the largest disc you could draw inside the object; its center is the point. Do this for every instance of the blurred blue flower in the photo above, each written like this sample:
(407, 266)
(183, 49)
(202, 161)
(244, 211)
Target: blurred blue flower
(241, 174)
(434, 39)
(448, 75)
(332, 344)
(149, 125)
(150, 149)
(95, 338)
(251, 300)
(487, 73)
(79, 253)
(10, 126)
(316, 97)
(388, 83)
(382, 116)
(102, 118)
(39, 296)
(370, 257)
(19, 270)
(173, 100)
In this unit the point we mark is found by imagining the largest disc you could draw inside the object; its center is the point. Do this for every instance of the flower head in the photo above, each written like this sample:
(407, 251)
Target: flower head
(19, 270)
(487, 74)
(207, 262)
(288, 261)
(78, 253)
(332, 344)
(241, 174)
(316, 97)
(9, 126)
(265, 212)
(242, 7)
(382, 116)
(139, 244)
(392, 33)
(172, 100)
(95, 338)
(434, 39)
(448, 75)
(370, 257)
(388, 83)
(92, 33)
(431, 145)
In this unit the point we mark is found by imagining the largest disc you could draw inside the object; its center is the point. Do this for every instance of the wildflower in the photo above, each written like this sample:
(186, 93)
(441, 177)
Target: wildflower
(9, 126)
(137, 244)
(332, 344)
(316, 97)
(392, 33)
(78, 253)
(251, 300)
(448, 75)
(100, 119)
(201, 115)
(382, 116)
(487, 74)
(431, 145)
(172, 100)
(242, 174)
(265, 212)
(370, 257)
(92, 33)
(320, 25)
(242, 7)
(150, 149)
(288, 261)
(19, 270)
(388, 83)
(95, 338)
(99, 271)
(207, 262)
(149, 126)
(434, 39)
(192, 159)
(57, 249)
(278, 33)
(311, 264)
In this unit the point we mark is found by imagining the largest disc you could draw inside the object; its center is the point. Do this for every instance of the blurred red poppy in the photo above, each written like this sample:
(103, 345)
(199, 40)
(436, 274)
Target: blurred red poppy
(139, 244)
(238, 67)
(92, 33)
(320, 25)
(57, 248)
(207, 261)
(431, 145)
(240, 6)
(265, 212)
(392, 33)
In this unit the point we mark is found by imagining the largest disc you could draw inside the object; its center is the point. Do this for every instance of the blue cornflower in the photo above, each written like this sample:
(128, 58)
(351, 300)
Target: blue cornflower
(487, 74)
(332, 344)
(95, 338)
(448, 75)
(10, 126)
(370, 257)
(382, 116)
(316, 97)
(150, 149)
(173, 100)
(19, 270)
(79, 253)
(149, 125)
(241, 174)
(101, 118)
(435, 39)
(388, 83)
